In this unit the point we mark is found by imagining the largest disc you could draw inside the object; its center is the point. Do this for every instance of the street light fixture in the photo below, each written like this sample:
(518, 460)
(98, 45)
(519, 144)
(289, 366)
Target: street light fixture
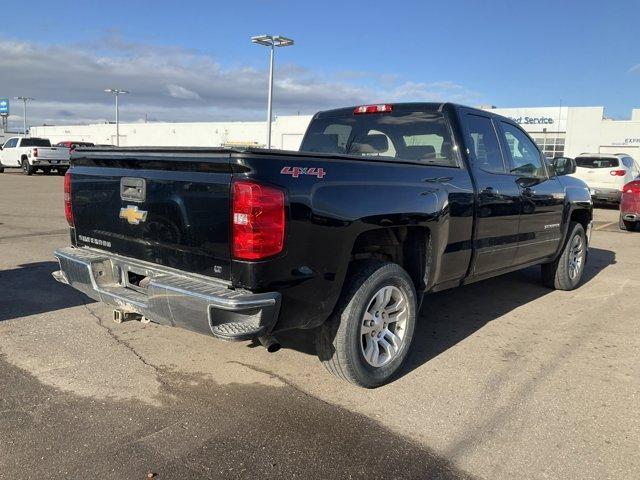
(271, 41)
(117, 92)
(24, 112)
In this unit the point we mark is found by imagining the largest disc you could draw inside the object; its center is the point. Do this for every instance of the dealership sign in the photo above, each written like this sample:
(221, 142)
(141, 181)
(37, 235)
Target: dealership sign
(628, 142)
(537, 119)
(4, 106)
(533, 120)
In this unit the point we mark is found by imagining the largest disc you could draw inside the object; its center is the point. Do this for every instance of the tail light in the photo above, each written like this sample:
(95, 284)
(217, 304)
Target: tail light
(385, 108)
(67, 198)
(257, 220)
(632, 187)
(35, 152)
(618, 173)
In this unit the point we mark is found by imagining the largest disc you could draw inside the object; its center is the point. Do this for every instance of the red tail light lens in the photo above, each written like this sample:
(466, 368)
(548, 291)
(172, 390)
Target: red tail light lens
(632, 187)
(67, 198)
(257, 220)
(35, 152)
(618, 173)
(385, 108)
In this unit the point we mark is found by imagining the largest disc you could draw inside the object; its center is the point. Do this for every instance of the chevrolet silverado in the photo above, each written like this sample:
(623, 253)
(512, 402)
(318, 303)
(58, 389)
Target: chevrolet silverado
(383, 205)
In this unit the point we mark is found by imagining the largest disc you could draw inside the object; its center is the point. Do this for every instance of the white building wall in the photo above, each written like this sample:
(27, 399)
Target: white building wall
(286, 133)
(584, 129)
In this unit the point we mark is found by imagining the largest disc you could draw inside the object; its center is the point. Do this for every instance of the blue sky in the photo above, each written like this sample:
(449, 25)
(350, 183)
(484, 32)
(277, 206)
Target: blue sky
(192, 60)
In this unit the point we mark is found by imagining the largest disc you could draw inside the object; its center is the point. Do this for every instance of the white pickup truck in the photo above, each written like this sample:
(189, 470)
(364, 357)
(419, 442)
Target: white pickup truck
(31, 154)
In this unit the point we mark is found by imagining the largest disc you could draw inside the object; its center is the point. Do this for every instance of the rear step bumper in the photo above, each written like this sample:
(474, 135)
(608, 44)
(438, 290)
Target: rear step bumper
(169, 297)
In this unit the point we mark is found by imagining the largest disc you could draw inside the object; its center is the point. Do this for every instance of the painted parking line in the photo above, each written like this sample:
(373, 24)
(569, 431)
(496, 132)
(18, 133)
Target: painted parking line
(605, 225)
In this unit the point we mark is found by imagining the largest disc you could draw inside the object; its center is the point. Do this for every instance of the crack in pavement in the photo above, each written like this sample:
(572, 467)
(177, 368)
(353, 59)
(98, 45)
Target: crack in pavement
(120, 341)
(50, 233)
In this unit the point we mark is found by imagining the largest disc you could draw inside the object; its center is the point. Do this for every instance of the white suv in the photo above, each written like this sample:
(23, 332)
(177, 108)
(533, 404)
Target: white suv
(606, 174)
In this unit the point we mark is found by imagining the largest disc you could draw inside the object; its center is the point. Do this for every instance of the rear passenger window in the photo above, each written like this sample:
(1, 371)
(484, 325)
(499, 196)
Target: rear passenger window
(483, 143)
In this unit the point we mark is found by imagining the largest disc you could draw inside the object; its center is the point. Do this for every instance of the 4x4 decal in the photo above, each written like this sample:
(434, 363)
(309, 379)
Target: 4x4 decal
(295, 172)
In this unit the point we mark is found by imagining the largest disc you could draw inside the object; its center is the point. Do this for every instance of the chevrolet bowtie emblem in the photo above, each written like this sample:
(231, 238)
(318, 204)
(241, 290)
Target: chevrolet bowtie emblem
(132, 215)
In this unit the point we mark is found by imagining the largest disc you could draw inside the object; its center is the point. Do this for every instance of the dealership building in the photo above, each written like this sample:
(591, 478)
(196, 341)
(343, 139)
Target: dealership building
(559, 131)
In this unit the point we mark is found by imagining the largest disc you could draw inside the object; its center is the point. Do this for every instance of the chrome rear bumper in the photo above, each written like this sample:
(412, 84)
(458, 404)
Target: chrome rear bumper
(168, 297)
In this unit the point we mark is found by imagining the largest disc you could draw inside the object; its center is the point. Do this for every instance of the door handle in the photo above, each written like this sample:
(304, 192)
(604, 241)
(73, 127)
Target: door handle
(489, 191)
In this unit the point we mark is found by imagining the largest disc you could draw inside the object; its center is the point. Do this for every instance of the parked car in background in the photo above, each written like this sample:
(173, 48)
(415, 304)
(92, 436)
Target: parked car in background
(73, 144)
(31, 154)
(383, 204)
(606, 174)
(630, 206)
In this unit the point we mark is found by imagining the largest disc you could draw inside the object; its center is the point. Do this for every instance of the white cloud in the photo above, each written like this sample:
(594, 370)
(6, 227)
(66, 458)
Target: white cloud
(176, 91)
(176, 84)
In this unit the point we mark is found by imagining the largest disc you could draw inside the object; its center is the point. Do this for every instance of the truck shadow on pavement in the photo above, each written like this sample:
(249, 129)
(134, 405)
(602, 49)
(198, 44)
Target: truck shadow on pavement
(448, 317)
(30, 289)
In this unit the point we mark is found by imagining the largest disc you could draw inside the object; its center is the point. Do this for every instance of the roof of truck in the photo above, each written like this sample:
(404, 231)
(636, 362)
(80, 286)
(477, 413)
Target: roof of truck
(407, 106)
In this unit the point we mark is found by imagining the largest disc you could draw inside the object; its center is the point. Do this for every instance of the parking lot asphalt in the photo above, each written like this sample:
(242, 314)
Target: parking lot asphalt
(507, 379)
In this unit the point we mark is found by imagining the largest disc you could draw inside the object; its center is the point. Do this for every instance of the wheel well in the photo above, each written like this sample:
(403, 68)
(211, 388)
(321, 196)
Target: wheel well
(581, 216)
(406, 246)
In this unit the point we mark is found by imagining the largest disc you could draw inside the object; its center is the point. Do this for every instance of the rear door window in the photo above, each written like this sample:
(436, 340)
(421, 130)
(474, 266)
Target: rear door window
(597, 162)
(483, 143)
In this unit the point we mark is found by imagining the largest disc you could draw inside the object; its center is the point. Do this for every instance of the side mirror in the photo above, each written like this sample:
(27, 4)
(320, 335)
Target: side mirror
(563, 165)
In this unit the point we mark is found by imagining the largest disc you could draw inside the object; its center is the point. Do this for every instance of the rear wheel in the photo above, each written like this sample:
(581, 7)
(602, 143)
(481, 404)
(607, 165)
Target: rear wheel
(629, 226)
(62, 171)
(1, 169)
(566, 272)
(26, 168)
(367, 338)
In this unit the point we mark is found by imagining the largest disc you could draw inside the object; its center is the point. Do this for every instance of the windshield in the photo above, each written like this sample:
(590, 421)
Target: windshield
(414, 136)
(597, 162)
(35, 142)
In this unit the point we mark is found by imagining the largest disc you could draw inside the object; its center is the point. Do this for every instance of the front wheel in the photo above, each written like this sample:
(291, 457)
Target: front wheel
(566, 272)
(26, 168)
(367, 338)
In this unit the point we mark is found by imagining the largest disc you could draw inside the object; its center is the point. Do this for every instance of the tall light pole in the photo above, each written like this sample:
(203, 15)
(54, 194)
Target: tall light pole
(117, 92)
(24, 112)
(271, 41)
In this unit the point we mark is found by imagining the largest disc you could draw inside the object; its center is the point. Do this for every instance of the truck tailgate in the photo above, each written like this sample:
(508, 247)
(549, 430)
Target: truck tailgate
(53, 153)
(167, 207)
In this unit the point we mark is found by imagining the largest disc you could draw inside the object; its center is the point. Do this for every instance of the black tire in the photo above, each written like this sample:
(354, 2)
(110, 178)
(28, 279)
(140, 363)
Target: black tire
(559, 274)
(1, 169)
(46, 171)
(340, 342)
(62, 171)
(26, 168)
(629, 226)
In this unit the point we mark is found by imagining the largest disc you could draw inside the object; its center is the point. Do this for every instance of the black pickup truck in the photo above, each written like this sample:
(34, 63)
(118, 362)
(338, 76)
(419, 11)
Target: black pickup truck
(382, 205)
